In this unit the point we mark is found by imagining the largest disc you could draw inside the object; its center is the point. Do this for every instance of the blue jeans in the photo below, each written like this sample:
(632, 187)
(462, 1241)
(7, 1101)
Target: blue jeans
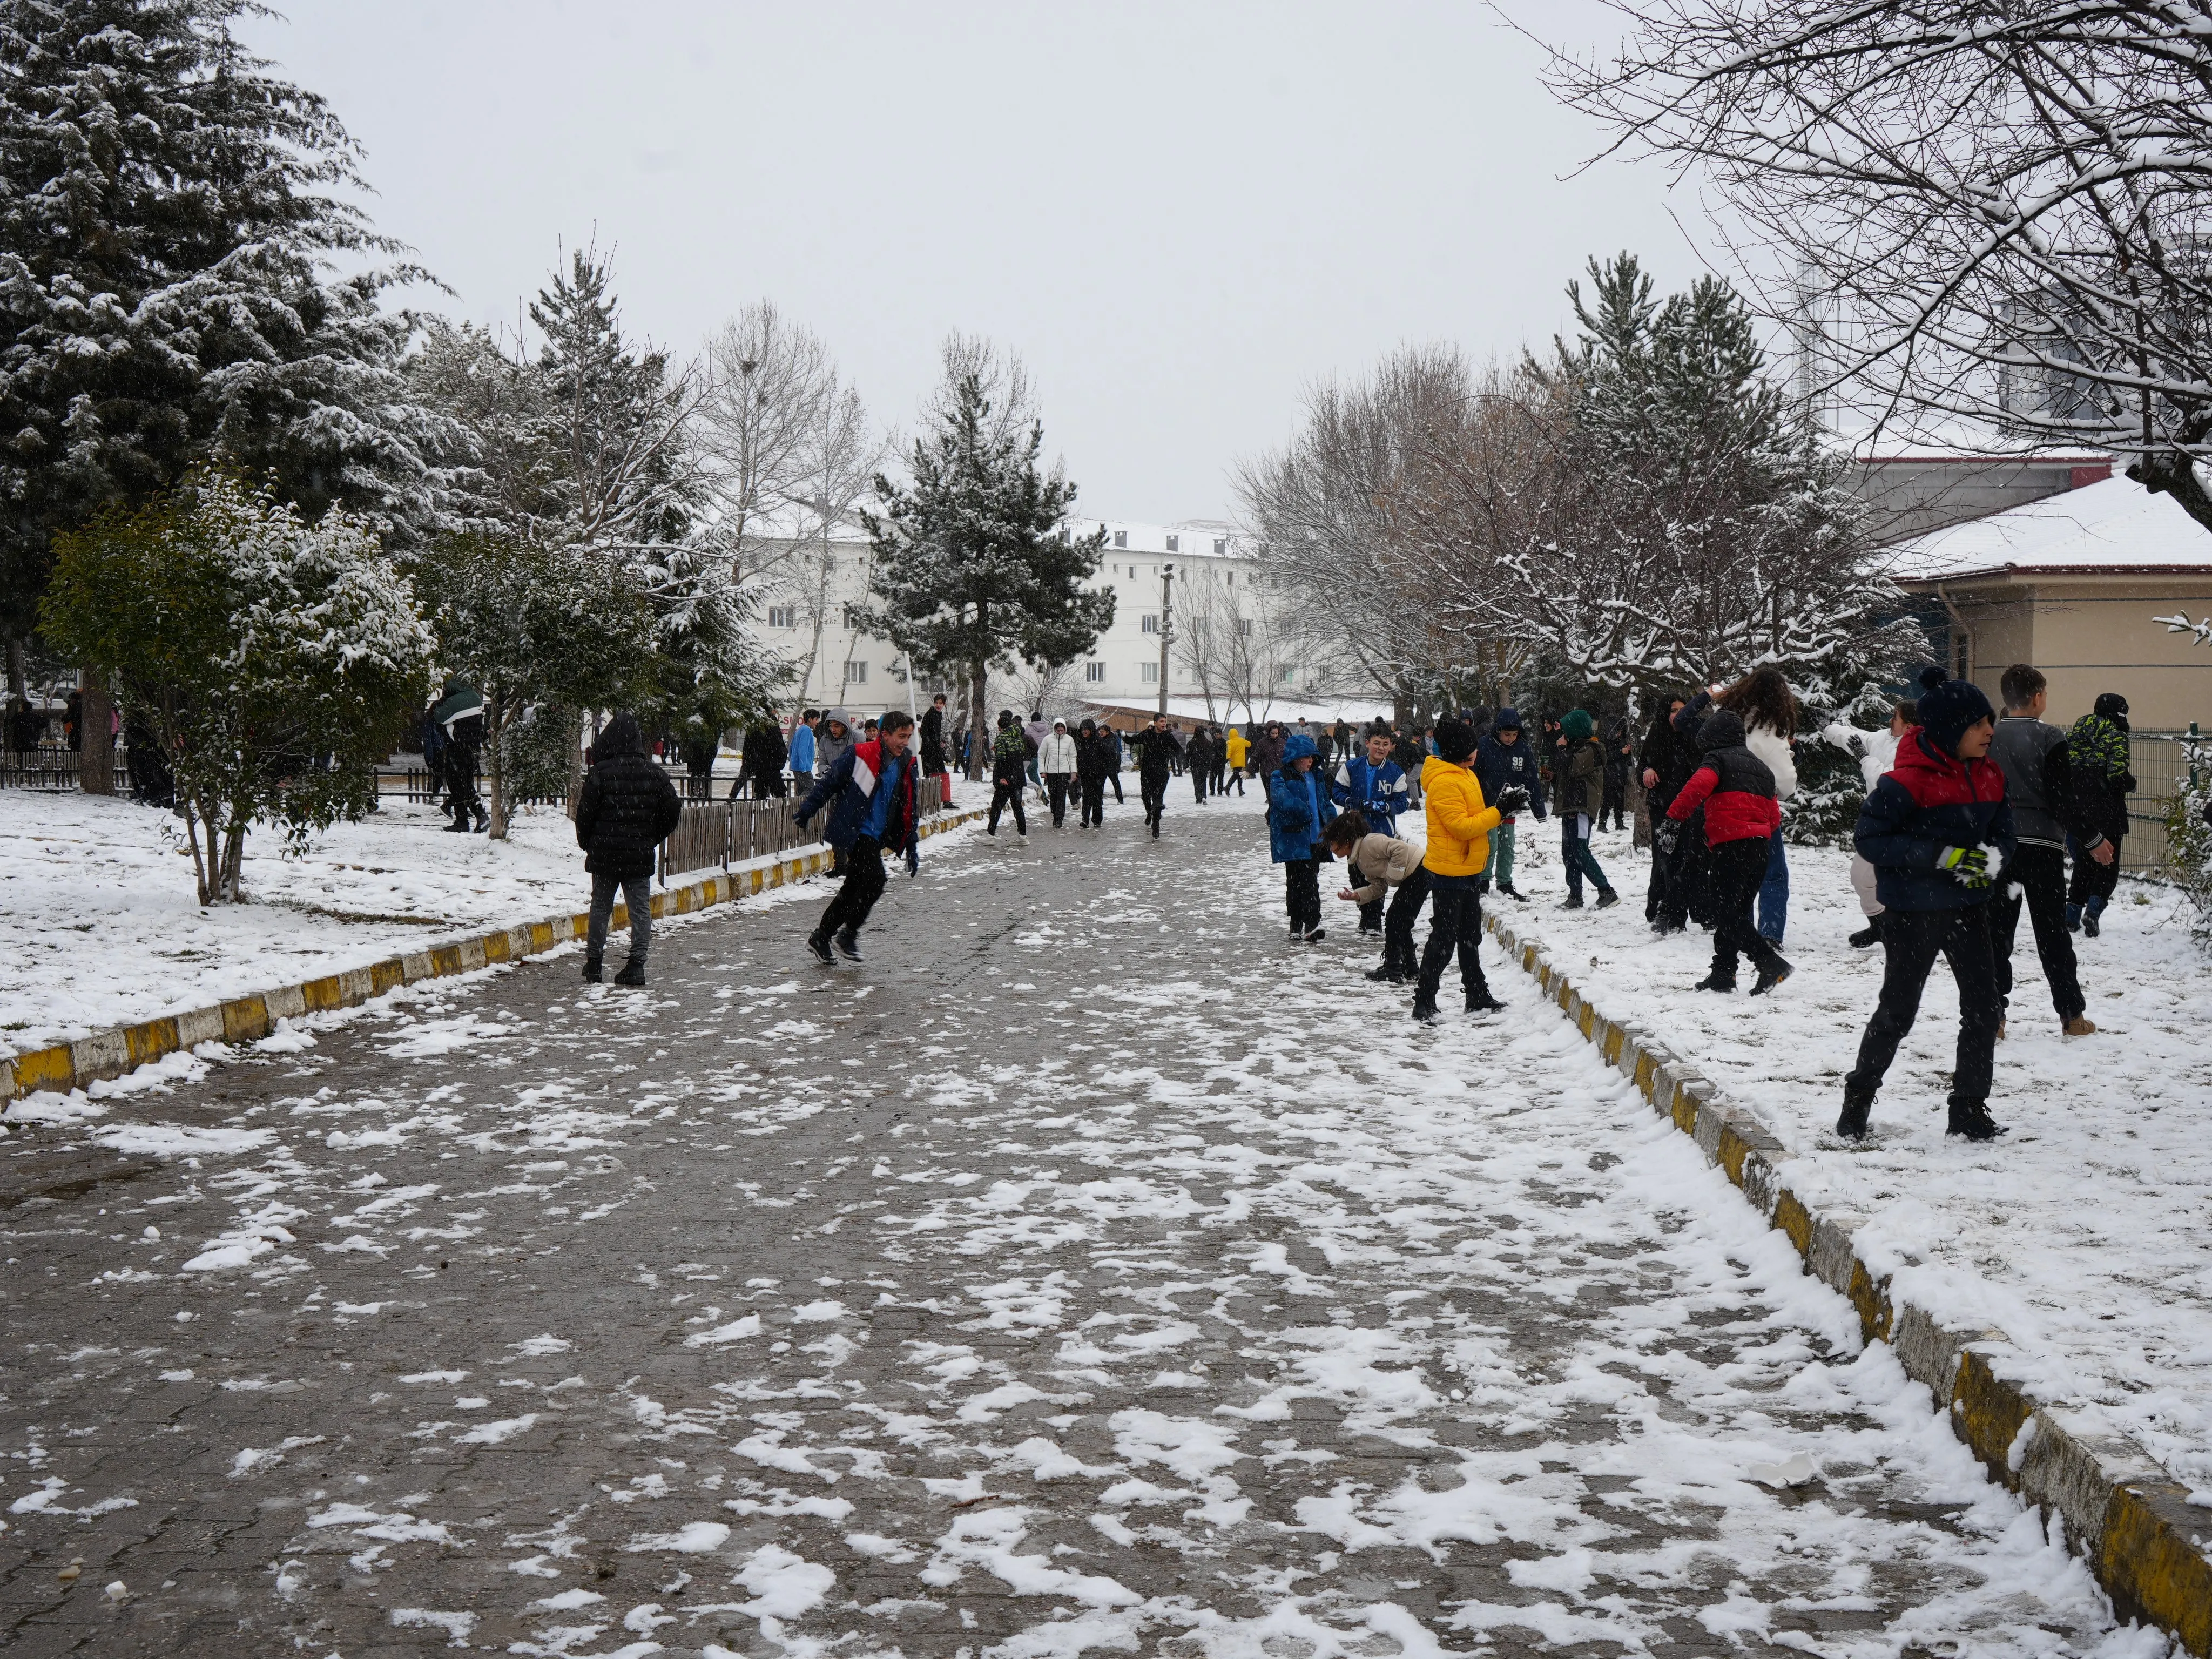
(1575, 850)
(1774, 894)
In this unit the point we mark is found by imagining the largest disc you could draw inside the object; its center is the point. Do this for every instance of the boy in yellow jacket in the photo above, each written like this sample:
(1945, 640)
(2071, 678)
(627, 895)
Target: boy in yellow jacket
(1234, 748)
(1460, 823)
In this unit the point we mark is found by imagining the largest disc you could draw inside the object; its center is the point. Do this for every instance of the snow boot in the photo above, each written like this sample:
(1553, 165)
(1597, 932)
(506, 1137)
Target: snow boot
(1769, 978)
(1869, 934)
(2073, 918)
(848, 944)
(591, 971)
(633, 973)
(483, 821)
(817, 944)
(2089, 922)
(1574, 902)
(2080, 1025)
(1715, 982)
(1608, 898)
(1512, 892)
(1388, 974)
(1971, 1118)
(1858, 1106)
(1316, 935)
(1479, 1001)
(459, 826)
(1424, 1009)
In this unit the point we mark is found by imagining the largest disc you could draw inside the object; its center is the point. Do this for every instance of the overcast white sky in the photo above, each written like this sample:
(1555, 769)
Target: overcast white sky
(1180, 215)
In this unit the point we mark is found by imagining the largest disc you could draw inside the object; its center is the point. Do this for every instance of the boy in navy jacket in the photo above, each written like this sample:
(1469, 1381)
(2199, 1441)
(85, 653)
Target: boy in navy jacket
(1939, 834)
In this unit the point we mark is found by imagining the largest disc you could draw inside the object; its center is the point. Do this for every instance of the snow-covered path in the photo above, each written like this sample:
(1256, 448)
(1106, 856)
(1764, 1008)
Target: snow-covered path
(1091, 1269)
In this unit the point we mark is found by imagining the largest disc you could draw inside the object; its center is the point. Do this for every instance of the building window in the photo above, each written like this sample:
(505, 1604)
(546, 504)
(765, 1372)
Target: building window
(1094, 672)
(1290, 676)
(1220, 548)
(1151, 674)
(1151, 621)
(856, 674)
(1243, 628)
(1120, 539)
(783, 616)
(1175, 543)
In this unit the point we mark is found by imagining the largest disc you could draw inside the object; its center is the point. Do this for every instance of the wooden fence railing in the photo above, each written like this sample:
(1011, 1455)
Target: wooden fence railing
(55, 770)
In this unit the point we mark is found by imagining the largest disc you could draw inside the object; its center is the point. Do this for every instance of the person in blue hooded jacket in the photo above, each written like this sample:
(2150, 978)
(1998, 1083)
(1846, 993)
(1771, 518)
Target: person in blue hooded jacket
(1502, 760)
(1372, 784)
(1297, 814)
(875, 807)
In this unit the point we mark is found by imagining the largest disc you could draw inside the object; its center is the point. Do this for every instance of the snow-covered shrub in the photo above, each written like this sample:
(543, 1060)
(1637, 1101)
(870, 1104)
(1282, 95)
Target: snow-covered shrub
(275, 661)
(2189, 837)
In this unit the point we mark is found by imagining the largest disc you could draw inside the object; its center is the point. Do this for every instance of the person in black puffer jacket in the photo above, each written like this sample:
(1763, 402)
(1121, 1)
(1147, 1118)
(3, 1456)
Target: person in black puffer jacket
(628, 807)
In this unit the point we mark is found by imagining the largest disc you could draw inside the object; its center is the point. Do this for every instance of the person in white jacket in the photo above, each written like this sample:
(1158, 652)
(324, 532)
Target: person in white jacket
(1056, 762)
(1762, 700)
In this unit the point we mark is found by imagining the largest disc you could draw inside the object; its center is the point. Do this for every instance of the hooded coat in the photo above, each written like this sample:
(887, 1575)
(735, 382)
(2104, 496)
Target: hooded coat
(629, 806)
(1458, 820)
(828, 750)
(2097, 755)
(1734, 784)
(849, 787)
(1930, 801)
(1298, 807)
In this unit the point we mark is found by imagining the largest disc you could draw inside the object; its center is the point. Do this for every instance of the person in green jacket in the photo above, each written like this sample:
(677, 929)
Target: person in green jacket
(1578, 796)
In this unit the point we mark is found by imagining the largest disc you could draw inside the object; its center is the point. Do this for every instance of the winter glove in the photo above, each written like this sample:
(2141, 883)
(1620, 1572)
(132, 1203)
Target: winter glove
(1511, 802)
(913, 861)
(1666, 834)
(1971, 865)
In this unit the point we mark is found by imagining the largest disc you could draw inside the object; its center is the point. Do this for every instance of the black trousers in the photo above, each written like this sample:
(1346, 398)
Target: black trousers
(1302, 892)
(1910, 942)
(1114, 777)
(864, 885)
(1154, 788)
(2041, 873)
(460, 782)
(1198, 774)
(1094, 799)
(1398, 922)
(1614, 803)
(1221, 777)
(1055, 790)
(2095, 881)
(1735, 869)
(1005, 792)
(1455, 925)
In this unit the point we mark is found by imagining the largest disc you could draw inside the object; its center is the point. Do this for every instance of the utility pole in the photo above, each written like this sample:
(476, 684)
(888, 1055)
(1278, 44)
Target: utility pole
(1167, 627)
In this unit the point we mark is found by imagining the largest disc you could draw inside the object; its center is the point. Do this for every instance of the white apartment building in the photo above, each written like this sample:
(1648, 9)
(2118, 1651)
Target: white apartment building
(1227, 659)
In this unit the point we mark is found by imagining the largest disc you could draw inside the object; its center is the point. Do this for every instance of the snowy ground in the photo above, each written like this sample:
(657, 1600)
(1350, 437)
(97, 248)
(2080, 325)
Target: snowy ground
(2081, 1234)
(1092, 1270)
(101, 926)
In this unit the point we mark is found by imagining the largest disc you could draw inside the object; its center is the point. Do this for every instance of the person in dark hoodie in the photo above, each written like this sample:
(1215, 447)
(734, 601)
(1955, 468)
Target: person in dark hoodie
(627, 808)
(2097, 750)
(1578, 792)
(2046, 809)
(1939, 834)
(1157, 754)
(1668, 759)
(1095, 762)
(874, 797)
(1297, 820)
(1009, 765)
(1742, 816)
(1620, 762)
(1502, 760)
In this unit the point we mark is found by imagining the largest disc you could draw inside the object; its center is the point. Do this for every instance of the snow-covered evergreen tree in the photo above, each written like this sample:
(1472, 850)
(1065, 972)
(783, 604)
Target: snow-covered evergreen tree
(973, 567)
(166, 202)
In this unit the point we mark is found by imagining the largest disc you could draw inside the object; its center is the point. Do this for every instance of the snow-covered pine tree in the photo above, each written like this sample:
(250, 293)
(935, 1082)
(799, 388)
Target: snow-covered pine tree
(974, 566)
(165, 204)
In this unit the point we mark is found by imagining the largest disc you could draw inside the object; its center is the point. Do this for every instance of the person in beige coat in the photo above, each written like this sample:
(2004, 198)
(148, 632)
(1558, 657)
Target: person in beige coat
(1378, 865)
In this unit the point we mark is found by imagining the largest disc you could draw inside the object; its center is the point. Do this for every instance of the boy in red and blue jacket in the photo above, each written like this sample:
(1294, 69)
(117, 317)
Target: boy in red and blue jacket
(1938, 832)
(1737, 789)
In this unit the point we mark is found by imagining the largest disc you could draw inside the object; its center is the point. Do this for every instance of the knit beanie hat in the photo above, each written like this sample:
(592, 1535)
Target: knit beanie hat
(1948, 706)
(1456, 741)
(1578, 726)
(2112, 706)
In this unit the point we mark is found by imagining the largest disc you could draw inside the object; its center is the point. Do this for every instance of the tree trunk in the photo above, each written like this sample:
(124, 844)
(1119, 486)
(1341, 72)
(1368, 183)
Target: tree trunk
(496, 731)
(2173, 472)
(18, 683)
(97, 770)
(978, 692)
(576, 760)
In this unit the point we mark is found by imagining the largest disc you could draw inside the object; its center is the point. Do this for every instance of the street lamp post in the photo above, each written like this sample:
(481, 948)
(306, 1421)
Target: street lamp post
(1167, 627)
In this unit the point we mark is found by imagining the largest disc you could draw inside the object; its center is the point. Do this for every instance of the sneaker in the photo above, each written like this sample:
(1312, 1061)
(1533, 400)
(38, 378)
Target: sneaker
(1297, 935)
(2073, 918)
(2080, 1025)
(591, 973)
(848, 946)
(1715, 982)
(1858, 1106)
(1869, 934)
(1574, 902)
(1971, 1118)
(1512, 892)
(633, 973)
(1366, 932)
(818, 946)
(1315, 936)
(1769, 978)
(1425, 1010)
(1608, 899)
(458, 827)
(1481, 1002)
(1386, 974)
(2089, 923)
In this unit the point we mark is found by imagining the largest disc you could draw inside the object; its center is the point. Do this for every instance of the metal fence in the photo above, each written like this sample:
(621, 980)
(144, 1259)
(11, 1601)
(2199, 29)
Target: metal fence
(723, 833)
(2159, 763)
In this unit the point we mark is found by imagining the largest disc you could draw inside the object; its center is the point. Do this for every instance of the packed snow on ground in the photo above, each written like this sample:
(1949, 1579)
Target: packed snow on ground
(2081, 1234)
(101, 926)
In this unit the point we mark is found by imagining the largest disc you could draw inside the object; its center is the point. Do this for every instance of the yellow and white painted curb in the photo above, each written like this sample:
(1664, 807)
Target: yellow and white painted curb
(109, 1053)
(2149, 1546)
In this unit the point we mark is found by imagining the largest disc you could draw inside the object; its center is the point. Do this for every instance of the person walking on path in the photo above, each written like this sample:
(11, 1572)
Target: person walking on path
(1411, 754)
(1762, 700)
(627, 809)
(1234, 749)
(1939, 834)
(1056, 759)
(1504, 761)
(1372, 783)
(2047, 808)
(1379, 866)
(1620, 763)
(874, 797)
(760, 762)
(459, 713)
(1578, 792)
(1156, 758)
(1459, 824)
(1876, 757)
(802, 753)
(1667, 762)
(934, 757)
(2097, 752)
(1297, 815)
(1217, 753)
(1267, 753)
(1095, 761)
(1735, 788)
(1201, 756)
(1010, 760)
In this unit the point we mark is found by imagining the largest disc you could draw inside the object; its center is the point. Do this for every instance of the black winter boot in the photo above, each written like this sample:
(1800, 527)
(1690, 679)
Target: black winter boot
(633, 973)
(1715, 982)
(591, 973)
(1769, 978)
(1424, 1009)
(1971, 1118)
(1479, 1001)
(1858, 1106)
(1574, 902)
(1606, 898)
(1388, 974)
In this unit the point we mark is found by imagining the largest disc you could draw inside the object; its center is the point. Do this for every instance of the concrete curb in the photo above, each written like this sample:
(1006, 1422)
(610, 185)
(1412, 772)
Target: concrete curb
(2149, 1547)
(111, 1053)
